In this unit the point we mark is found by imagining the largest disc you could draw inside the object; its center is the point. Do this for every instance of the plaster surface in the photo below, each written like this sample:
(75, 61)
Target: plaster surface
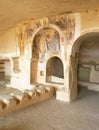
(34, 9)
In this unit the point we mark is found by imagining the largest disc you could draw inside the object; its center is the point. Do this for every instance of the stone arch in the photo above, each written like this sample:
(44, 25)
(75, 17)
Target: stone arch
(40, 52)
(47, 39)
(75, 46)
(70, 48)
(52, 26)
(48, 26)
(73, 61)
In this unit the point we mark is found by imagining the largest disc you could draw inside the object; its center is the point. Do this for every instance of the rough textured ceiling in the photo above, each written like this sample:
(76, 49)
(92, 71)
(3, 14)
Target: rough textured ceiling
(15, 11)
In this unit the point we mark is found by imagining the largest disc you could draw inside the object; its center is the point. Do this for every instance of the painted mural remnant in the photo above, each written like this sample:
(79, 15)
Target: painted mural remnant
(24, 33)
(53, 42)
(31, 27)
(70, 32)
(21, 35)
(29, 31)
(47, 40)
(60, 21)
(65, 22)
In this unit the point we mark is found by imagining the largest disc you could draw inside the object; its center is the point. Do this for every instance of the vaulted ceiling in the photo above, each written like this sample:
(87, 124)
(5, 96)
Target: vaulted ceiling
(15, 11)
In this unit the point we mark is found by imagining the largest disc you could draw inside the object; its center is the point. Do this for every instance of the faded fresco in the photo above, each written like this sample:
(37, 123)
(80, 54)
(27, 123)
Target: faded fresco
(65, 22)
(24, 33)
(46, 37)
(46, 41)
(30, 30)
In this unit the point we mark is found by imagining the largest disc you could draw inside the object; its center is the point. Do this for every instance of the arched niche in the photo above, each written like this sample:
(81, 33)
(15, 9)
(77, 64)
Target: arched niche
(45, 44)
(54, 70)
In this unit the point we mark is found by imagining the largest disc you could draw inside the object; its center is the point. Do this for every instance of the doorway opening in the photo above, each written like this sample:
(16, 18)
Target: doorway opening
(87, 48)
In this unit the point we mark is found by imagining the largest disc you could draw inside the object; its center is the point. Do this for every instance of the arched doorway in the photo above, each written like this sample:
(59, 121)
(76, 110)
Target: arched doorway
(86, 54)
(88, 62)
(54, 70)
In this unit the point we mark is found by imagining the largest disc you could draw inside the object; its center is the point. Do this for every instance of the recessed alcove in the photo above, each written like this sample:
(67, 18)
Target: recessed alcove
(46, 44)
(54, 70)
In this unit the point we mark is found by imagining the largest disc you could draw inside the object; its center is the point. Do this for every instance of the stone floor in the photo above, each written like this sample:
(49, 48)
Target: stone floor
(82, 114)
